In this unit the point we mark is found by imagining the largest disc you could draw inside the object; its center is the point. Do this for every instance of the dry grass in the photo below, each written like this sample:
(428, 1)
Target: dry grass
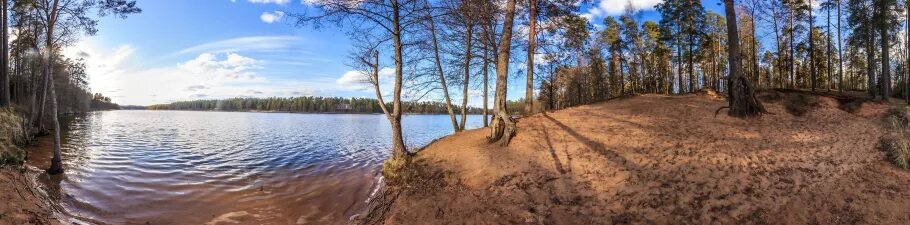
(896, 144)
(397, 170)
(10, 132)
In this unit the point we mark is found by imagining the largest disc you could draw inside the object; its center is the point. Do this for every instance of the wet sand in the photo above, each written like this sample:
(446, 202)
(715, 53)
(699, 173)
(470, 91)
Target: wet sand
(663, 160)
(23, 202)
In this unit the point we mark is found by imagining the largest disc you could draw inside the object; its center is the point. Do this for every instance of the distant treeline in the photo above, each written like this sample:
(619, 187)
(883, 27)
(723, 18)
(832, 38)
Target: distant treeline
(100, 102)
(306, 104)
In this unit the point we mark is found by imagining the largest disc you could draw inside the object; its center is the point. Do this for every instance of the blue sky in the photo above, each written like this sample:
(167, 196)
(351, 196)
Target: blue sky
(183, 50)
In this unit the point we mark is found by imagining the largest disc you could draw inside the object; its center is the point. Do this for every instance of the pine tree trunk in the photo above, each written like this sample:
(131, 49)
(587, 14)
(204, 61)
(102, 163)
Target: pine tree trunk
(813, 76)
(886, 53)
(532, 44)
(754, 43)
(829, 52)
(4, 58)
(679, 63)
(780, 55)
(840, 50)
(870, 62)
(742, 101)
(691, 57)
(791, 57)
(503, 128)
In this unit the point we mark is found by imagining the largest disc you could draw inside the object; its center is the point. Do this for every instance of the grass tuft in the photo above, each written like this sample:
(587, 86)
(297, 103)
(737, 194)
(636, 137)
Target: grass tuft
(896, 145)
(397, 170)
(897, 148)
(11, 132)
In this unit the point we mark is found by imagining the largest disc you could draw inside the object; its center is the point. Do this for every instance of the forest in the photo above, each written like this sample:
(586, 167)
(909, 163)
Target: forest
(564, 61)
(36, 79)
(306, 104)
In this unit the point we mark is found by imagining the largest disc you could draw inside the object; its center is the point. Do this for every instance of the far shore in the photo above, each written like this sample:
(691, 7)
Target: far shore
(264, 111)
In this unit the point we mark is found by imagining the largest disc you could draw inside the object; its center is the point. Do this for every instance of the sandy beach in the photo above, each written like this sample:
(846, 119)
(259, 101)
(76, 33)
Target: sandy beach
(655, 159)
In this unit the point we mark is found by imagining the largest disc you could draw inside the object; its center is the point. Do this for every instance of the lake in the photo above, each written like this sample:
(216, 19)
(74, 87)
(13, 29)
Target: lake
(182, 167)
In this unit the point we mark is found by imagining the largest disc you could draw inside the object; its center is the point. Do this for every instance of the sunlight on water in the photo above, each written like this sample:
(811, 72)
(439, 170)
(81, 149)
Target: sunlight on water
(174, 167)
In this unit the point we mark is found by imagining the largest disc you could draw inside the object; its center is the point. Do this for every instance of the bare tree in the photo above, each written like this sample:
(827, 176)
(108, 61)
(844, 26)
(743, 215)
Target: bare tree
(390, 20)
(431, 26)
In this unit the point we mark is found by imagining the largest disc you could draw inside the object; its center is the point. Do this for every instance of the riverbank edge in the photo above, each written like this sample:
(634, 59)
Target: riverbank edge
(384, 195)
(25, 201)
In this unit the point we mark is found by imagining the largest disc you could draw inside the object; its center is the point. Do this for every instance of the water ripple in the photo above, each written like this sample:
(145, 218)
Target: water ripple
(186, 167)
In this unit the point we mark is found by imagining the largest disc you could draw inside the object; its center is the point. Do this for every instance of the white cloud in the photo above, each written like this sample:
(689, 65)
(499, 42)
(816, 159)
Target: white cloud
(254, 43)
(271, 17)
(119, 73)
(617, 7)
(358, 80)
(280, 2)
(233, 66)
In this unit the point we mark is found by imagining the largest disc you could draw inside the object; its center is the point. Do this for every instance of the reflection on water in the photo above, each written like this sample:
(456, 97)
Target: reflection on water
(172, 167)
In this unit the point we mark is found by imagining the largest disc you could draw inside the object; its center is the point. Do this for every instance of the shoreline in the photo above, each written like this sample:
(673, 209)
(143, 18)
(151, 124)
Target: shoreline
(25, 201)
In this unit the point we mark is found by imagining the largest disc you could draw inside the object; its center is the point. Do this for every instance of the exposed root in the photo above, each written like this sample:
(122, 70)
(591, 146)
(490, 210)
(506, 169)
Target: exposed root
(502, 129)
(719, 109)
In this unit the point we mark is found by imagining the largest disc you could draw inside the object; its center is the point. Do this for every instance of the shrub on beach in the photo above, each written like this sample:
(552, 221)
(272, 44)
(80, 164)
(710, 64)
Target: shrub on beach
(396, 170)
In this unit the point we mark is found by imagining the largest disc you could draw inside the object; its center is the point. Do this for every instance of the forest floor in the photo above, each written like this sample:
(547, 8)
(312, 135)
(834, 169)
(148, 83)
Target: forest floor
(653, 159)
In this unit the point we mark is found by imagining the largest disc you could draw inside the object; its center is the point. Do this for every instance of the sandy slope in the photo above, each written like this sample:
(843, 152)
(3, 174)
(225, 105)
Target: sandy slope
(21, 202)
(664, 160)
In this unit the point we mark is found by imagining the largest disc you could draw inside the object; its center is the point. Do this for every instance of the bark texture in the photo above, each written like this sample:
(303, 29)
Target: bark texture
(742, 101)
(503, 127)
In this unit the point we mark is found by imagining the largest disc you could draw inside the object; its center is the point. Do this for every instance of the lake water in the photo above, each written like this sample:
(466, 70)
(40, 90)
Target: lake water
(178, 167)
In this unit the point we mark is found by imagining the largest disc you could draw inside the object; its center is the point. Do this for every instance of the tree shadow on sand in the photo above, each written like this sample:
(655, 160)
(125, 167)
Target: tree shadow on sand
(596, 146)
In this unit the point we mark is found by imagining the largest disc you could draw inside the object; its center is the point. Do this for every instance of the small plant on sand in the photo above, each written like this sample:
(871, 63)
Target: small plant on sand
(397, 169)
(898, 118)
(896, 145)
(897, 149)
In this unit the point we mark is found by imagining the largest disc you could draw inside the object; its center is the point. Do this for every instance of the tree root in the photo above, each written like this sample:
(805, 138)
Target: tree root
(502, 129)
(719, 109)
